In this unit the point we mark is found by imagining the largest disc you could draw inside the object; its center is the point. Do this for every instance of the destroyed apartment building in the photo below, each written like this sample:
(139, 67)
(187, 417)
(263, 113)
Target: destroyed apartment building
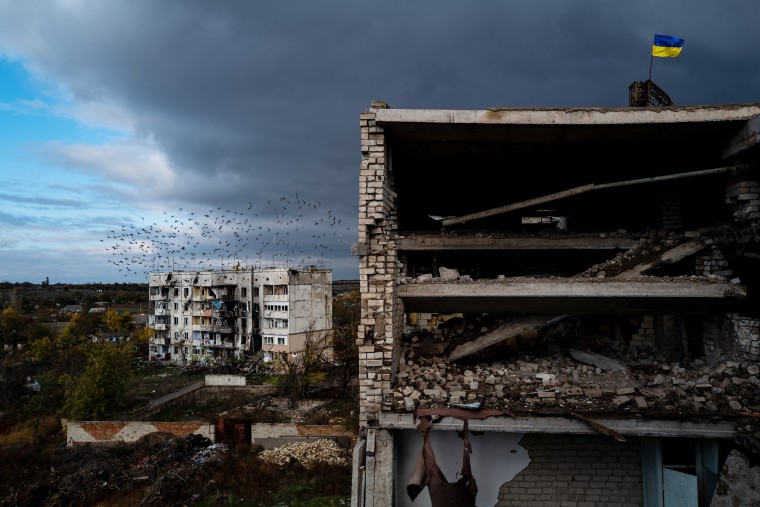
(559, 306)
(215, 316)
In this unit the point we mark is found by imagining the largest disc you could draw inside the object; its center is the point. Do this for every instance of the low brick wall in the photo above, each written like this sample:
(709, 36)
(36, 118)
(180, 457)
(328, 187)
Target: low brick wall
(113, 432)
(576, 471)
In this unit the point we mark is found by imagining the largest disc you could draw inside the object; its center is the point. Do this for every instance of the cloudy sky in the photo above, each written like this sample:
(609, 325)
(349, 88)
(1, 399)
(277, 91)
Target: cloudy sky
(138, 135)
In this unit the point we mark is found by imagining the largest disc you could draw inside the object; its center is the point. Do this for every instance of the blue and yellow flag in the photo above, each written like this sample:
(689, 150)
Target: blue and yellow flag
(667, 46)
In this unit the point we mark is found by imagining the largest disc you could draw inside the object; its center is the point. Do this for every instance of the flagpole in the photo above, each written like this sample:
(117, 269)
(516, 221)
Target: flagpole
(651, 59)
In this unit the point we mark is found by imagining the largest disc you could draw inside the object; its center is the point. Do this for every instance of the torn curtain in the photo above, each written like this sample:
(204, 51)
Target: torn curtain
(426, 472)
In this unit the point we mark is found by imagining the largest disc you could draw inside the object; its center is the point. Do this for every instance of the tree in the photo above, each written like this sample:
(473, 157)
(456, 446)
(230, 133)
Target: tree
(346, 316)
(98, 391)
(12, 327)
(305, 368)
(87, 378)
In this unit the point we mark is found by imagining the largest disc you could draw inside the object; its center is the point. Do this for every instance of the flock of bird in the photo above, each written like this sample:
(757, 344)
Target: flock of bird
(288, 232)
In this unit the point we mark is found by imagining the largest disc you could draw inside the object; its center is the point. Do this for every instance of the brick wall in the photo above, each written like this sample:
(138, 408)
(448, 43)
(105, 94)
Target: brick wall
(669, 211)
(642, 336)
(382, 311)
(576, 471)
(713, 262)
(744, 197)
(112, 432)
(731, 337)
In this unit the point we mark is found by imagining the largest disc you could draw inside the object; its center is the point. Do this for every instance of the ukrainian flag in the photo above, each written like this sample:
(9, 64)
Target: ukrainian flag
(667, 46)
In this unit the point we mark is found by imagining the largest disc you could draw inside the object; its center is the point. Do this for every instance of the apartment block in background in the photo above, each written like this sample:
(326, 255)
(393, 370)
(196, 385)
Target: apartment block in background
(214, 316)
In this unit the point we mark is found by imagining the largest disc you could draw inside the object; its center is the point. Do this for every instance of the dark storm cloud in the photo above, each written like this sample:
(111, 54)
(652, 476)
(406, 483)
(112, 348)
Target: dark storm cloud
(254, 100)
(252, 87)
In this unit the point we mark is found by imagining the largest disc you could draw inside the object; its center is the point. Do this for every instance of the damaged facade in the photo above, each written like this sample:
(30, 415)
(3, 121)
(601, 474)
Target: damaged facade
(584, 280)
(218, 315)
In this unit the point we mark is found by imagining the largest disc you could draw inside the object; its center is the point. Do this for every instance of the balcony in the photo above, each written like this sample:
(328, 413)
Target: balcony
(219, 345)
(158, 327)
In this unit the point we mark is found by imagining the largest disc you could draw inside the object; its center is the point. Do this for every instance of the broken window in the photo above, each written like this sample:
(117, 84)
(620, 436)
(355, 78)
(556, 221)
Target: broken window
(275, 290)
(679, 471)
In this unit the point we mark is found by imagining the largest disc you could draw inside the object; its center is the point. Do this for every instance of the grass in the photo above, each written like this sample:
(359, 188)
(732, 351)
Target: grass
(150, 381)
(30, 432)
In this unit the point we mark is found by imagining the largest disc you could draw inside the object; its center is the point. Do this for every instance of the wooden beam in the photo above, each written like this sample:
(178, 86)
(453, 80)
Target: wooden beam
(512, 329)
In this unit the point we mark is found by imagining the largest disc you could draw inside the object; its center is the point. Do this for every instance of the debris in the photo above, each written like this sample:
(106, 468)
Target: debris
(737, 482)
(598, 360)
(309, 454)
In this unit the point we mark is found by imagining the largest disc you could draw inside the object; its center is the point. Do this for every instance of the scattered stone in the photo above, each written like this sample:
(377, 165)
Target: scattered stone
(597, 360)
(641, 403)
(620, 401)
(448, 274)
(546, 378)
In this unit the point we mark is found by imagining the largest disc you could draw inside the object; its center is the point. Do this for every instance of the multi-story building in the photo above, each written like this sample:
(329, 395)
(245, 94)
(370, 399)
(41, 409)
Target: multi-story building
(200, 315)
(577, 287)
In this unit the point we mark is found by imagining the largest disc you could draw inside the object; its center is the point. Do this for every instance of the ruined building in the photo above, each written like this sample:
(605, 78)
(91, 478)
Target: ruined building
(218, 315)
(577, 286)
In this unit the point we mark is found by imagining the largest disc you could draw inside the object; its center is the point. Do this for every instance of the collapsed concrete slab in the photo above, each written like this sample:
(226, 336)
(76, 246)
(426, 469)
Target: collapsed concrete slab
(510, 330)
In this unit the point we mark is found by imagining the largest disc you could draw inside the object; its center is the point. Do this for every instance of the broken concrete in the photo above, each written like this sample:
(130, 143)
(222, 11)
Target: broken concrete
(505, 332)
(738, 483)
(597, 360)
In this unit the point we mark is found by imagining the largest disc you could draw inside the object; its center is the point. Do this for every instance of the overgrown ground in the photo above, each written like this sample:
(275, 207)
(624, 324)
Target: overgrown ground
(160, 470)
(37, 469)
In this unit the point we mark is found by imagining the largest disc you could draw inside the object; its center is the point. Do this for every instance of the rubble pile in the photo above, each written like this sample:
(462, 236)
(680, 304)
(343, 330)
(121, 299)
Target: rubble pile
(309, 454)
(159, 465)
(572, 380)
(650, 245)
